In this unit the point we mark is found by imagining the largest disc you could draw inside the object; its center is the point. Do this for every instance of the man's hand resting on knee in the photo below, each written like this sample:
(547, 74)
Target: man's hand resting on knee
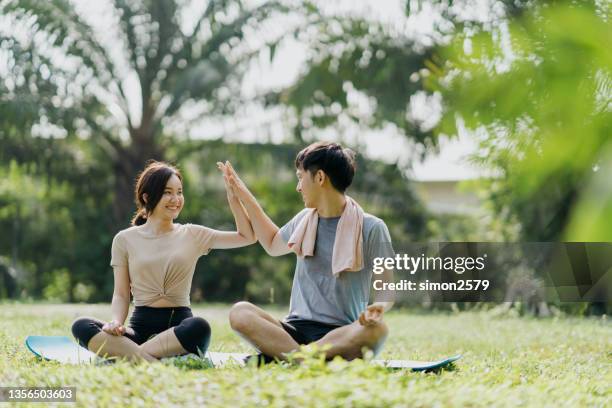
(372, 315)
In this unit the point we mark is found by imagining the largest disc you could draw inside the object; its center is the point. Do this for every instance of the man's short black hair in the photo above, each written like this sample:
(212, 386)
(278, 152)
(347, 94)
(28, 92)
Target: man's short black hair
(335, 161)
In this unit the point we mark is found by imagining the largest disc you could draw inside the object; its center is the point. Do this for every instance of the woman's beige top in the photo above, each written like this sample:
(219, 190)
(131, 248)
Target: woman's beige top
(162, 266)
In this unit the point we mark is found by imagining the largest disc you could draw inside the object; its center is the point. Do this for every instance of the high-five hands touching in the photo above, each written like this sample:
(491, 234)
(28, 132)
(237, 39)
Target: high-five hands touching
(236, 182)
(224, 167)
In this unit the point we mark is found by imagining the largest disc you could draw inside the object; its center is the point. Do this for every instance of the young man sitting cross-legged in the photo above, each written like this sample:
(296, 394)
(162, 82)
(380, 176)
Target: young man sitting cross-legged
(335, 242)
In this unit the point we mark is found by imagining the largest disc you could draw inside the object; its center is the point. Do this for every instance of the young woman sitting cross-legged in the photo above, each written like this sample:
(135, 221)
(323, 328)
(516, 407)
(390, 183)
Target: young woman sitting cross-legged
(156, 259)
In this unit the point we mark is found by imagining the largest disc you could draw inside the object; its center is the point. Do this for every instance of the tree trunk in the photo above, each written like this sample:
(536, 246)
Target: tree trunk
(9, 290)
(128, 165)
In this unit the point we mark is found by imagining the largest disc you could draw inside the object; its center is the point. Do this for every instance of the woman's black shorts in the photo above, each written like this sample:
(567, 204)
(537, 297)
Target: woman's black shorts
(192, 332)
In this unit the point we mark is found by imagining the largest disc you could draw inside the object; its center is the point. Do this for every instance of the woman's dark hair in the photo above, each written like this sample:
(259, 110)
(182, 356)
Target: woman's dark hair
(335, 161)
(152, 182)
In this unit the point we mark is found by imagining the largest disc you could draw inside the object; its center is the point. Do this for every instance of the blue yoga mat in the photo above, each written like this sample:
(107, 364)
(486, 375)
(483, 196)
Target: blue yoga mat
(59, 348)
(64, 350)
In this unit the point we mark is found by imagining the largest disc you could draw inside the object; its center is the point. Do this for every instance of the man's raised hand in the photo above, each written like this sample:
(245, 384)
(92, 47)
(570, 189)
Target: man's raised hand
(236, 182)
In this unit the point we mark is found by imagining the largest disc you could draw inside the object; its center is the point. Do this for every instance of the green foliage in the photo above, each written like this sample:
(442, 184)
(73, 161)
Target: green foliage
(23, 213)
(52, 226)
(385, 64)
(358, 55)
(506, 362)
(544, 116)
(58, 289)
(62, 76)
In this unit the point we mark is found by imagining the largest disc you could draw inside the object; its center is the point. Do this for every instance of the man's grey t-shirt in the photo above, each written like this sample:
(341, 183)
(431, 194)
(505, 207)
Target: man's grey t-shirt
(316, 293)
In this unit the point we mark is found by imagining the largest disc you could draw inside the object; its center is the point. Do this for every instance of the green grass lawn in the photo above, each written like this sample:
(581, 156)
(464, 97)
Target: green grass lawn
(506, 362)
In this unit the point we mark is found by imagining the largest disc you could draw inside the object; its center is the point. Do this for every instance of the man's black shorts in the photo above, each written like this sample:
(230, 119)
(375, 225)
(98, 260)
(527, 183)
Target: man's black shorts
(302, 331)
(307, 331)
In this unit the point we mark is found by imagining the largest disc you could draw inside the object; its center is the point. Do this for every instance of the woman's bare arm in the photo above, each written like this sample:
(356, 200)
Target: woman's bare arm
(244, 234)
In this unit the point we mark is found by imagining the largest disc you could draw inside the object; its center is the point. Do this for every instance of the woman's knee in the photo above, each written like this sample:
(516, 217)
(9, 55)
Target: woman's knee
(194, 334)
(84, 328)
(200, 327)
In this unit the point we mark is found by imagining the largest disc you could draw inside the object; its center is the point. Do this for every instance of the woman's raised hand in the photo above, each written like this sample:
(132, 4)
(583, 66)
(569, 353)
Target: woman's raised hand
(228, 187)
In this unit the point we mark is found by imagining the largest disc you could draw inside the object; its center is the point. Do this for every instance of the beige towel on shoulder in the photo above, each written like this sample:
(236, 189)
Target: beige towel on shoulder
(347, 253)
